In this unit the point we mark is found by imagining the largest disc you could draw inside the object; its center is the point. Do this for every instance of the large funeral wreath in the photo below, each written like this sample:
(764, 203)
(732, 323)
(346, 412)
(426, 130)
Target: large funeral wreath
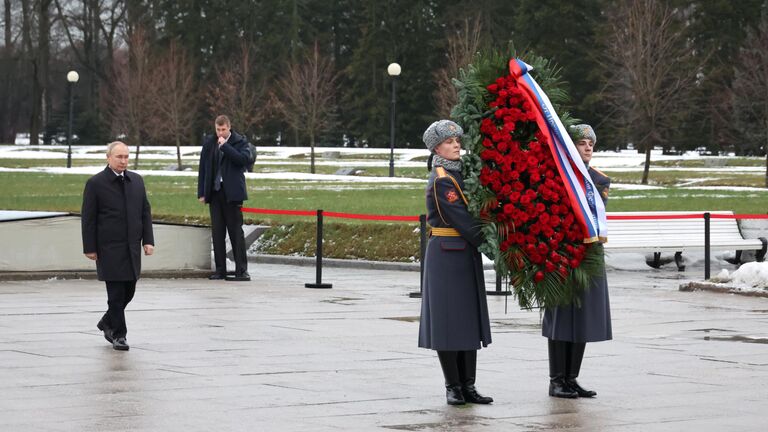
(513, 185)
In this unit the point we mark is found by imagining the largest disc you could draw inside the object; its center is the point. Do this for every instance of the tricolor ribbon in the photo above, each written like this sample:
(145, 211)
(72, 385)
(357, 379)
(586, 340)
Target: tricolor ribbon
(582, 193)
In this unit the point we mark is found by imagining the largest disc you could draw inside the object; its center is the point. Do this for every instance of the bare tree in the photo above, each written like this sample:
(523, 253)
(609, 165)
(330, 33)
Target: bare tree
(650, 72)
(174, 98)
(462, 45)
(238, 90)
(8, 75)
(91, 28)
(128, 108)
(305, 96)
(40, 59)
(750, 88)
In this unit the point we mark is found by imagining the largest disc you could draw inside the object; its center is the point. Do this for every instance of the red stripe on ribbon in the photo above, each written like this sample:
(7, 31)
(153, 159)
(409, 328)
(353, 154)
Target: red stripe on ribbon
(581, 214)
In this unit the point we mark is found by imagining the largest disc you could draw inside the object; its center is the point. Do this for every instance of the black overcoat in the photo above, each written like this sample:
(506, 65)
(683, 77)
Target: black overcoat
(235, 154)
(116, 221)
(591, 322)
(454, 311)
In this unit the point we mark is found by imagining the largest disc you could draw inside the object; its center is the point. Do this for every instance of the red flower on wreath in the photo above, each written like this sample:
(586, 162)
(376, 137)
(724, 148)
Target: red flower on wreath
(518, 168)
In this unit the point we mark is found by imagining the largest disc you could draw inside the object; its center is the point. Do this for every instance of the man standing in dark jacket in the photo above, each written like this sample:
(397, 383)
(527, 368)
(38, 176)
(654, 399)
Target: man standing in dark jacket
(116, 221)
(221, 184)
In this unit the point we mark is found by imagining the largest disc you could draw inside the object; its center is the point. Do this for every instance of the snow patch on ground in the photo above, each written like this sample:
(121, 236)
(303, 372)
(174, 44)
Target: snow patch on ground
(751, 276)
(91, 170)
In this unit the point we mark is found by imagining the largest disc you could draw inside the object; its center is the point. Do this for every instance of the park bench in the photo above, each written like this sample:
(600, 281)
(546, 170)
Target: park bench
(658, 232)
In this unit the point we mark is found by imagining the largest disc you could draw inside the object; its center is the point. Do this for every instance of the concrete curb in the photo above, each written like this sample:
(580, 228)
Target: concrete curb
(91, 275)
(712, 287)
(333, 262)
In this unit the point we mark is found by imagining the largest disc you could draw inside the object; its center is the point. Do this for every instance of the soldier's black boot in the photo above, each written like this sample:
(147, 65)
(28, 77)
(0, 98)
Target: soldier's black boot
(576, 355)
(557, 365)
(449, 364)
(467, 372)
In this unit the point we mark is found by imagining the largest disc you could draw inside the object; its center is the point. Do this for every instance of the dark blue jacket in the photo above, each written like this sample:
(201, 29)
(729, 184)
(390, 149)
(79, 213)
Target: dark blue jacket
(235, 154)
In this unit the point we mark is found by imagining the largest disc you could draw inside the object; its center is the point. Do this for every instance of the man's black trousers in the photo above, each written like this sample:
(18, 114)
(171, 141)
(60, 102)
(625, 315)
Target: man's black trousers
(119, 294)
(227, 218)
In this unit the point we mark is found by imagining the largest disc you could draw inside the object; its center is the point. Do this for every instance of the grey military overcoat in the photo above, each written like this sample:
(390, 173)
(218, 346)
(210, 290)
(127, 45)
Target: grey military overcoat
(454, 312)
(591, 322)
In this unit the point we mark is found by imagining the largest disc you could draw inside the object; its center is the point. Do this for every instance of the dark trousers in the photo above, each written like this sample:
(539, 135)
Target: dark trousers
(227, 218)
(119, 294)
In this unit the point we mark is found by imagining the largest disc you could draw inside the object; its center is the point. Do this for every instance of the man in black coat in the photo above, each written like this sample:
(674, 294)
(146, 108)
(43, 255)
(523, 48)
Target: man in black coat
(116, 221)
(221, 184)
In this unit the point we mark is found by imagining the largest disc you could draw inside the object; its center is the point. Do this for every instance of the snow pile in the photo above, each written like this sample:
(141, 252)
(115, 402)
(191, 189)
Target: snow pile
(752, 275)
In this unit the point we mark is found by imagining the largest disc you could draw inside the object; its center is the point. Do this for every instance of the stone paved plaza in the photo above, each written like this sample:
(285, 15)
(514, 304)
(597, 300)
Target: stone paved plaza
(271, 355)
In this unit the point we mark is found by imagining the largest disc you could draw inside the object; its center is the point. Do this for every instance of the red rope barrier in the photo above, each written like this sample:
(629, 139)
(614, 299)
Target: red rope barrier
(687, 216)
(655, 217)
(371, 217)
(280, 212)
(332, 214)
(739, 216)
(395, 218)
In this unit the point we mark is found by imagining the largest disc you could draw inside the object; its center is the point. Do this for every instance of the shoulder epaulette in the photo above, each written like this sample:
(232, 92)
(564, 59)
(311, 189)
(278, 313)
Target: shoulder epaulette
(599, 172)
(442, 173)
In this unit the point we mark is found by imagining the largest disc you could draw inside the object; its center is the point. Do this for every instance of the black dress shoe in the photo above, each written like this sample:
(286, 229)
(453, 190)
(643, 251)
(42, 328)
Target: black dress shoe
(217, 276)
(581, 391)
(106, 329)
(559, 388)
(240, 277)
(471, 395)
(120, 344)
(453, 395)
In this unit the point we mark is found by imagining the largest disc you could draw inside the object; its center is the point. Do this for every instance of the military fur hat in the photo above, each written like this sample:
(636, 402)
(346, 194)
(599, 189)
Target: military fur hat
(440, 131)
(583, 131)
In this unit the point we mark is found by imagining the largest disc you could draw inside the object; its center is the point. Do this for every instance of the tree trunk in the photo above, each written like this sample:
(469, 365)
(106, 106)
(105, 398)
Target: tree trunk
(7, 21)
(647, 166)
(178, 151)
(135, 137)
(40, 98)
(7, 132)
(312, 152)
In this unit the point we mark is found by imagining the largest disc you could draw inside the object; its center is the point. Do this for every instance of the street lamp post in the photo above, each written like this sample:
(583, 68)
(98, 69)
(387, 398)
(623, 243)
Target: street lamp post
(394, 71)
(72, 78)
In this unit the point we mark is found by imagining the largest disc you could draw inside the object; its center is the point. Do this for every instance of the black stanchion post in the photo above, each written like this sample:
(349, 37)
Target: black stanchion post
(422, 250)
(498, 291)
(319, 254)
(706, 245)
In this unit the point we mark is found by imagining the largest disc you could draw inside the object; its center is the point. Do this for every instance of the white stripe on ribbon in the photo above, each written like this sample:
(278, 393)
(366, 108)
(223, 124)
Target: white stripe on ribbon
(597, 224)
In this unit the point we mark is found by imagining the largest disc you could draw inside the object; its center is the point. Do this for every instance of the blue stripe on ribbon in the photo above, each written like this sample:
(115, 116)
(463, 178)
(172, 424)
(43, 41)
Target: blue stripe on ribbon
(592, 209)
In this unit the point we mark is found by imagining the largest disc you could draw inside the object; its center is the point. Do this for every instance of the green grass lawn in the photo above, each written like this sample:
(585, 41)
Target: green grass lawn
(174, 199)
(702, 178)
(712, 162)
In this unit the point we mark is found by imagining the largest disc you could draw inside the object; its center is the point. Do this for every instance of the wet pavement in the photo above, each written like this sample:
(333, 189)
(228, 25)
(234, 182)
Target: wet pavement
(271, 355)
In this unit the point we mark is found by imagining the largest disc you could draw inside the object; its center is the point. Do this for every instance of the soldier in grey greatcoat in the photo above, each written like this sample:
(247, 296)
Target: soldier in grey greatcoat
(569, 328)
(454, 312)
